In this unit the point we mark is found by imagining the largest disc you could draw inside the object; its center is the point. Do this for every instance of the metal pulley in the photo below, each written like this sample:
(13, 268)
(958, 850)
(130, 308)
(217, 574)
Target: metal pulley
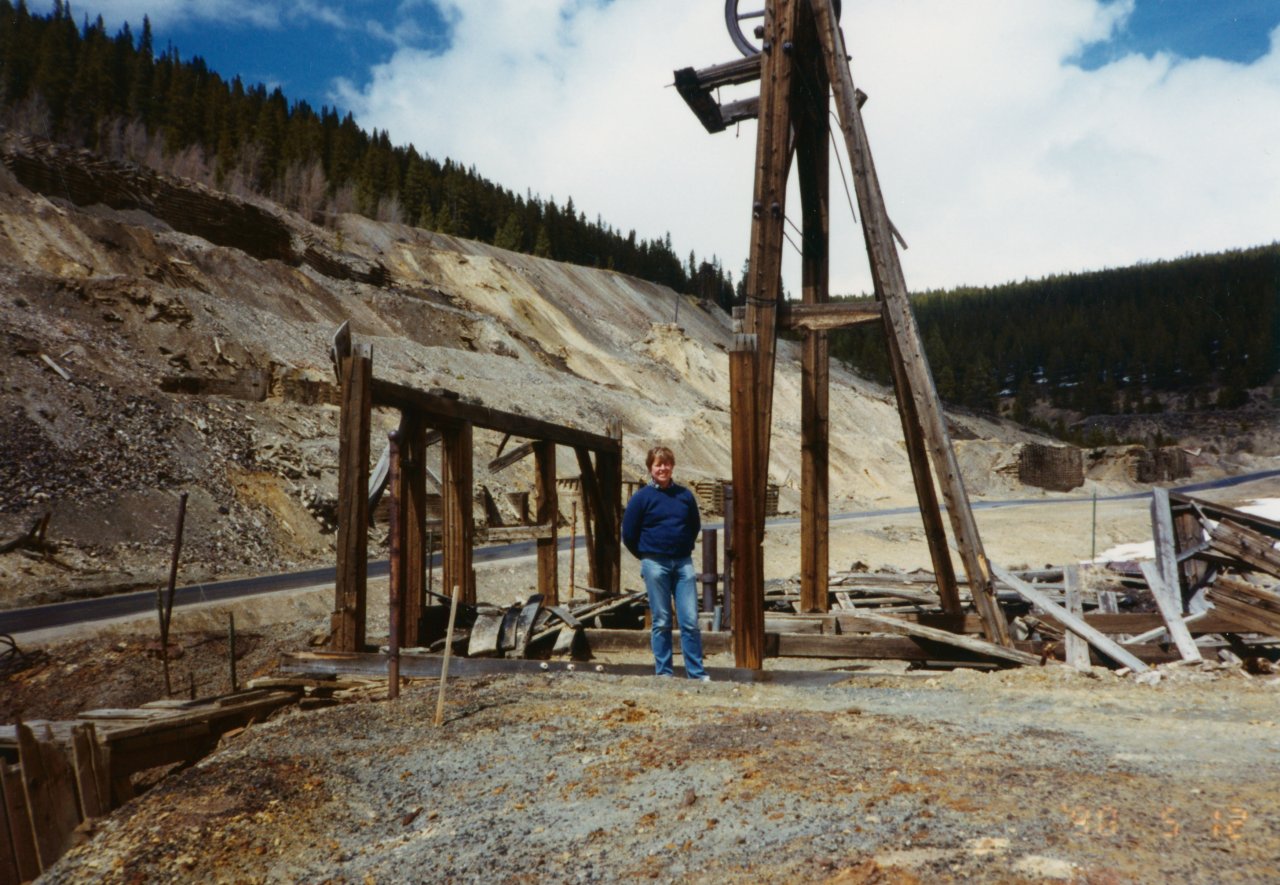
(734, 19)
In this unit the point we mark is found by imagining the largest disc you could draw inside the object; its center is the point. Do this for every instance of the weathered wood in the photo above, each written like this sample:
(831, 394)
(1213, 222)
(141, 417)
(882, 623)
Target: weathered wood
(413, 528)
(516, 455)
(1162, 533)
(774, 148)
(17, 819)
(826, 317)
(812, 134)
(347, 627)
(886, 271)
(1055, 612)
(609, 519)
(977, 646)
(547, 513)
(747, 608)
(1077, 650)
(50, 791)
(456, 511)
(1246, 544)
(1170, 604)
(591, 507)
(1254, 607)
(511, 533)
(93, 782)
(441, 411)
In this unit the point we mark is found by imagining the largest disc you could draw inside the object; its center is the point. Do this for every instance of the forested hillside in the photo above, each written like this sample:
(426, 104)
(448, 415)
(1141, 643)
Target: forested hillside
(114, 94)
(1201, 330)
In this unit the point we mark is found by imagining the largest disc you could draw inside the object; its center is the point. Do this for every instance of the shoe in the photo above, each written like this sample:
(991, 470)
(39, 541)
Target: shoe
(705, 679)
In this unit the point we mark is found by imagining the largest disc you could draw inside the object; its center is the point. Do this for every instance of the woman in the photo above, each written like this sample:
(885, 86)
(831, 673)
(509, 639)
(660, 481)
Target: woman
(659, 527)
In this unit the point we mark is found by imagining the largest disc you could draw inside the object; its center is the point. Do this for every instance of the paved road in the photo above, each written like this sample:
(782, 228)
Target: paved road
(22, 620)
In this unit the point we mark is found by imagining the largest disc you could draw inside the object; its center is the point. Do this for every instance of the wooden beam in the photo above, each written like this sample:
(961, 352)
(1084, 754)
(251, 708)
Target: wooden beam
(1051, 609)
(519, 453)
(439, 410)
(50, 793)
(347, 624)
(547, 513)
(826, 317)
(1077, 649)
(812, 162)
(17, 816)
(886, 271)
(1170, 604)
(609, 520)
(747, 607)
(413, 528)
(977, 646)
(456, 512)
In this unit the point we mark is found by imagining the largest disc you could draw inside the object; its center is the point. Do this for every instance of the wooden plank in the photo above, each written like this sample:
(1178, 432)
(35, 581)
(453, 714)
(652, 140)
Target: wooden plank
(20, 836)
(1055, 612)
(886, 270)
(747, 606)
(516, 455)
(441, 411)
(413, 528)
(1253, 607)
(592, 504)
(510, 533)
(51, 795)
(977, 646)
(456, 511)
(1162, 533)
(609, 520)
(1170, 604)
(1077, 650)
(1247, 545)
(812, 164)
(347, 627)
(827, 317)
(92, 783)
(547, 513)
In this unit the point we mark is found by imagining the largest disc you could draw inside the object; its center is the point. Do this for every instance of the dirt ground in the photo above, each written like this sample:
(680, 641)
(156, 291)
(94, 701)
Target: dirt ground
(857, 773)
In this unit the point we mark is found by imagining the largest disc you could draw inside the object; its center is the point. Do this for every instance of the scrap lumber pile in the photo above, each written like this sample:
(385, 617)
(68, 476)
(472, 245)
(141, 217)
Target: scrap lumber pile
(56, 778)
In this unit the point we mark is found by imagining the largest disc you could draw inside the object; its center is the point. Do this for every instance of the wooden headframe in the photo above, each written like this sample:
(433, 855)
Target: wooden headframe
(455, 422)
(803, 64)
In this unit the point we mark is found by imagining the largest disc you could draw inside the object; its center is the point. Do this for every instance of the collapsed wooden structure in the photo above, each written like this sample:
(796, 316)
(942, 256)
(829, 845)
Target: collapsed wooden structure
(803, 62)
(427, 417)
(57, 777)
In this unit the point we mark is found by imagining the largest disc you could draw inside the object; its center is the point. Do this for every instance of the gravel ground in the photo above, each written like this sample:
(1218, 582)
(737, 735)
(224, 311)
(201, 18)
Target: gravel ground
(1017, 776)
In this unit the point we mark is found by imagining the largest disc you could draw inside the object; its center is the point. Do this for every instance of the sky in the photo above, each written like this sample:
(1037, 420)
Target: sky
(1014, 139)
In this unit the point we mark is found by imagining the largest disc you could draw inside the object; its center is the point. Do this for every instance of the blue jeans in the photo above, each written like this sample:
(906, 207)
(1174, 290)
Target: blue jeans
(665, 578)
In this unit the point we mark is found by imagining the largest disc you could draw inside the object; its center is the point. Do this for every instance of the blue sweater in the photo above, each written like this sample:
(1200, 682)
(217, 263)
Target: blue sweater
(661, 522)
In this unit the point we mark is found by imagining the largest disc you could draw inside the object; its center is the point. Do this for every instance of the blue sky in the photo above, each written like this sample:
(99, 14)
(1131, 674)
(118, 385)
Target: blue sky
(1013, 137)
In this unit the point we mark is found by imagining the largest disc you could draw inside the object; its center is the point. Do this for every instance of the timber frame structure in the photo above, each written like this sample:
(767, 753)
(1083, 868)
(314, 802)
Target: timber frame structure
(427, 417)
(803, 63)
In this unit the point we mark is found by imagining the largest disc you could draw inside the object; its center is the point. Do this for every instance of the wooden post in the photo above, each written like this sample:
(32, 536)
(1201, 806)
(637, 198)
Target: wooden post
(547, 511)
(891, 287)
(1077, 649)
(459, 522)
(609, 533)
(51, 795)
(748, 524)
(1162, 532)
(26, 859)
(812, 162)
(395, 577)
(413, 527)
(448, 653)
(573, 547)
(347, 627)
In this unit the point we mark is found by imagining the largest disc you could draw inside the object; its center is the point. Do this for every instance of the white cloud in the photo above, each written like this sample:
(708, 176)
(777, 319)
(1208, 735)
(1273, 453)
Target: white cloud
(998, 158)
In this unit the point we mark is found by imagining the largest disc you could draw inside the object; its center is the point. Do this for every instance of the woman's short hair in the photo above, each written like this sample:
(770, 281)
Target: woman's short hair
(660, 454)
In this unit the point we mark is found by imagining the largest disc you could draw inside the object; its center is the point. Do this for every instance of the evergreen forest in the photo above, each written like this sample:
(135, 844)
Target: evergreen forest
(114, 94)
(1198, 332)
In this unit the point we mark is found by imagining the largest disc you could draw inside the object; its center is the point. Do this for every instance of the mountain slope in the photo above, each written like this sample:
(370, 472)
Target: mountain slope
(194, 352)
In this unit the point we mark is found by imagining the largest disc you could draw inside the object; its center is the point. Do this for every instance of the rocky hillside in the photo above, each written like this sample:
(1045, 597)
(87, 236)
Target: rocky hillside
(160, 336)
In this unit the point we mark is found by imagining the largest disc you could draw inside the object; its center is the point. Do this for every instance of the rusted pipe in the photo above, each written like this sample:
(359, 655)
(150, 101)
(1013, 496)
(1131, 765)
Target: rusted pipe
(396, 576)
